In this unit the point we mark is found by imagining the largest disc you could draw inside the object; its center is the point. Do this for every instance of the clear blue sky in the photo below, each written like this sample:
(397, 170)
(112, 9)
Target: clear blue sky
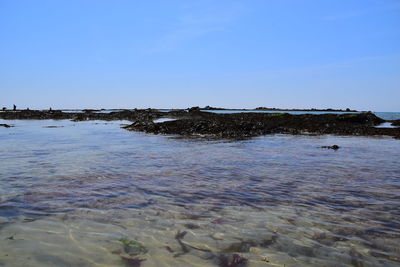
(162, 54)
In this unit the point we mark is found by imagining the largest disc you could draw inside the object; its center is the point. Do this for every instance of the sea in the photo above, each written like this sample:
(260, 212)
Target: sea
(93, 194)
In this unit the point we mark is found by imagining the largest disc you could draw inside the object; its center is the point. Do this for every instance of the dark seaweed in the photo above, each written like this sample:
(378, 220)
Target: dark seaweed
(132, 262)
(179, 236)
(191, 226)
(234, 261)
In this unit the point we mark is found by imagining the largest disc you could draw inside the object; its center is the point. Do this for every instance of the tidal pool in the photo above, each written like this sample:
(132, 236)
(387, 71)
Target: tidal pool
(93, 194)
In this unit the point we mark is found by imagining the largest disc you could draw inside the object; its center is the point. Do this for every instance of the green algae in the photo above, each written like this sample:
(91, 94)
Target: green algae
(346, 116)
(133, 247)
(277, 114)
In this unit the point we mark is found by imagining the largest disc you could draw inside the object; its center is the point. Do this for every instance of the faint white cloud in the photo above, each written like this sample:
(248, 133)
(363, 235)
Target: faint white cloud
(198, 21)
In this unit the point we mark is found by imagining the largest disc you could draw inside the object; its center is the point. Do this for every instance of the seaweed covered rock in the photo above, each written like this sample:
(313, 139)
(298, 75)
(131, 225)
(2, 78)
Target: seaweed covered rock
(396, 123)
(243, 125)
(194, 122)
(334, 147)
(131, 115)
(362, 118)
(133, 247)
(234, 260)
(35, 115)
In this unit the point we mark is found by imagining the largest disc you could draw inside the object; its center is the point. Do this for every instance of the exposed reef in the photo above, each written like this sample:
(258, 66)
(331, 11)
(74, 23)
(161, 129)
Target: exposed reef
(281, 109)
(396, 123)
(194, 122)
(243, 125)
(131, 115)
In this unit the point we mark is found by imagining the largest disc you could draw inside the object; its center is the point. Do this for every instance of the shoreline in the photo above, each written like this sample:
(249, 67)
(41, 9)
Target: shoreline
(197, 108)
(195, 122)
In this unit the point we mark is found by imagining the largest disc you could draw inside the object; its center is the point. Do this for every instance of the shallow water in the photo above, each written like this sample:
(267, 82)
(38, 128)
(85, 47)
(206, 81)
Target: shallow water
(386, 125)
(72, 191)
(164, 120)
(388, 115)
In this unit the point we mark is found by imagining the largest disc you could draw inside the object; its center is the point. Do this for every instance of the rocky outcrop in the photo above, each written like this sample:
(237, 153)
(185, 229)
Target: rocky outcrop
(242, 125)
(131, 115)
(396, 123)
(194, 122)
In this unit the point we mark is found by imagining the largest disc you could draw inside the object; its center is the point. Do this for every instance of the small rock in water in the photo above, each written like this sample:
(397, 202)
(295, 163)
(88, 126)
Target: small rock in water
(169, 249)
(180, 235)
(233, 261)
(11, 237)
(334, 147)
(132, 261)
(191, 226)
(133, 247)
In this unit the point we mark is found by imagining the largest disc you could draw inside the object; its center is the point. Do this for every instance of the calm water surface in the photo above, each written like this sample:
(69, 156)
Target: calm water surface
(92, 194)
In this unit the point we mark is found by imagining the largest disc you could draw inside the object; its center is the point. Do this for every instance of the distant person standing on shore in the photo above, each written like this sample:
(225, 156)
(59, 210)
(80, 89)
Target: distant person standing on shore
(15, 107)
